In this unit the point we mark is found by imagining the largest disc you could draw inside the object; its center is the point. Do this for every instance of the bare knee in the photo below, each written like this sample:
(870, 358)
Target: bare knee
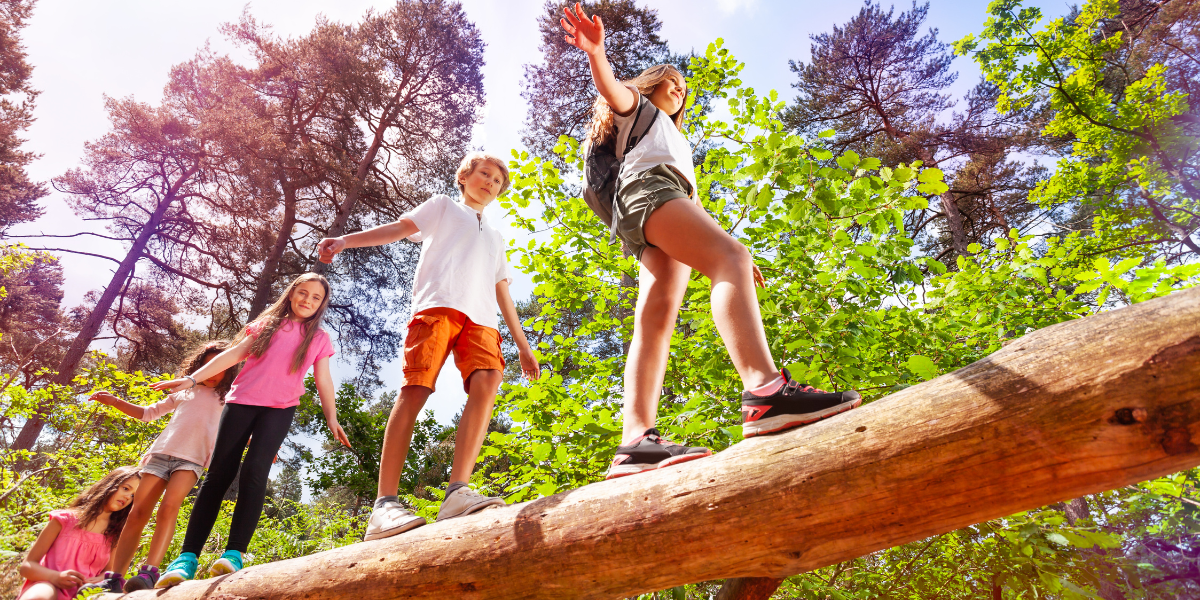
(140, 513)
(733, 259)
(490, 379)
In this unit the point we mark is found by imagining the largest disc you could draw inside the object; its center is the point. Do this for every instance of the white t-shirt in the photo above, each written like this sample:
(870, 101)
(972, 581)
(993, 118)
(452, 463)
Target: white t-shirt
(462, 260)
(663, 144)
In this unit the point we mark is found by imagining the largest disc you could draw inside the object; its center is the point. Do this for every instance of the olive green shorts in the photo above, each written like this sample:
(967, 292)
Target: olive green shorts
(640, 194)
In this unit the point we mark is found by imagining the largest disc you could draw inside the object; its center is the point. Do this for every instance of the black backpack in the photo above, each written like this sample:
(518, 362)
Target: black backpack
(602, 168)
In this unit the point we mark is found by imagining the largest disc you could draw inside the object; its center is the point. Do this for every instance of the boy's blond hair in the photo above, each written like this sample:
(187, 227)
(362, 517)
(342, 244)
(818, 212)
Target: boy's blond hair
(472, 160)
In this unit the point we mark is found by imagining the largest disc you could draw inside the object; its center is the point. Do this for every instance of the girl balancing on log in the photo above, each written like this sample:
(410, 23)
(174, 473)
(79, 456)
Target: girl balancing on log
(659, 218)
(279, 347)
(75, 545)
(171, 467)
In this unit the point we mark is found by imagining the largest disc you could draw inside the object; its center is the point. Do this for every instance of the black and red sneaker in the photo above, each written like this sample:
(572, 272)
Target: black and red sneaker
(792, 405)
(651, 452)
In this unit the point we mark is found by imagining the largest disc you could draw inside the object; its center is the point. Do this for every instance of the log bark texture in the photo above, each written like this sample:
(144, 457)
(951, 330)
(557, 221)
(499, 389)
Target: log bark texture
(1073, 409)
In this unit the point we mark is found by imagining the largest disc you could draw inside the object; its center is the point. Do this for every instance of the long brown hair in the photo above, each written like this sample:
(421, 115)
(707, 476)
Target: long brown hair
(279, 312)
(200, 357)
(89, 505)
(602, 128)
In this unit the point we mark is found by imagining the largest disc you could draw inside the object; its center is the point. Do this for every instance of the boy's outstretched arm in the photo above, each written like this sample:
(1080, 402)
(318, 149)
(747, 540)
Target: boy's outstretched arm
(377, 236)
(110, 399)
(529, 363)
(588, 35)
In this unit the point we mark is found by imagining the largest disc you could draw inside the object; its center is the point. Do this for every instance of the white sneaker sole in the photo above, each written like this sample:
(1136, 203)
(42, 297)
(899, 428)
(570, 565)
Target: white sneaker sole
(397, 530)
(625, 470)
(472, 509)
(170, 579)
(782, 422)
(221, 567)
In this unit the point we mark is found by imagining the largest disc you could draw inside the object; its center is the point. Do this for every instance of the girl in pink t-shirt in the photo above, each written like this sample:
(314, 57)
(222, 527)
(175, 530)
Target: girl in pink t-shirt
(279, 348)
(74, 547)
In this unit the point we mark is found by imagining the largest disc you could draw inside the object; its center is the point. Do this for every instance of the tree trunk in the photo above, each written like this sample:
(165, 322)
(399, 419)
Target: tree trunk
(748, 588)
(91, 326)
(1073, 409)
(956, 223)
(262, 291)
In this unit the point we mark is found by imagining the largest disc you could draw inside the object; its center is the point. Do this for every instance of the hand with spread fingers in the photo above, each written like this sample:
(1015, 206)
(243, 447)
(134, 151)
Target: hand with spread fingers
(584, 33)
(759, 280)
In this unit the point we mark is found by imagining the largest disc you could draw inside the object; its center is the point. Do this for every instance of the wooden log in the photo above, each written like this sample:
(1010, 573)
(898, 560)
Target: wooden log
(1073, 409)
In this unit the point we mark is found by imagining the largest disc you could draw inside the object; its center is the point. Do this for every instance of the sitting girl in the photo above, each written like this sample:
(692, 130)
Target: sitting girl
(171, 467)
(75, 545)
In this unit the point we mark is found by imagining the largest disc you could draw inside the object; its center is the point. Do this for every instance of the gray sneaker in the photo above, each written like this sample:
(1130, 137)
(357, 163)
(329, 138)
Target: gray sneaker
(463, 502)
(391, 519)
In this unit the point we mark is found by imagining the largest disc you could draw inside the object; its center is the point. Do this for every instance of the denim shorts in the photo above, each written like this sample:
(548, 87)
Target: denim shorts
(162, 465)
(639, 195)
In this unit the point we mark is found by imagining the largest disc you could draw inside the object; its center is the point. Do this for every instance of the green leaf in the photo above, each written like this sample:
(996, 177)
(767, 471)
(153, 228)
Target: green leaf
(828, 133)
(922, 367)
(541, 451)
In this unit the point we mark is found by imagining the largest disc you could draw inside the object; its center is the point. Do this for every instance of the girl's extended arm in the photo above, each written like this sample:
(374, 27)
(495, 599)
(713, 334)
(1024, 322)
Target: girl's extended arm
(588, 35)
(216, 366)
(110, 399)
(32, 569)
(324, 383)
(378, 236)
(529, 363)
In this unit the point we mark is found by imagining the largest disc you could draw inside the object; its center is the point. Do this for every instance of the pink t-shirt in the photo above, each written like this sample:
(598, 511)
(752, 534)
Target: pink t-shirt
(268, 380)
(74, 549)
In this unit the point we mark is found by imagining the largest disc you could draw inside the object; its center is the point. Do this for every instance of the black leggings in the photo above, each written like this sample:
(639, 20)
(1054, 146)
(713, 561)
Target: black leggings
(269, 426)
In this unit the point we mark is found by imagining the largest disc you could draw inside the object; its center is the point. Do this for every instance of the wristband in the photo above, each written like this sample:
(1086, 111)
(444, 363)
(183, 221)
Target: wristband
(191, 379)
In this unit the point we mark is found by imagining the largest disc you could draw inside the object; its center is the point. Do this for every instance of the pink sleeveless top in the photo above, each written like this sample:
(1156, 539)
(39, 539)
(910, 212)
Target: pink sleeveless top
(75, 549)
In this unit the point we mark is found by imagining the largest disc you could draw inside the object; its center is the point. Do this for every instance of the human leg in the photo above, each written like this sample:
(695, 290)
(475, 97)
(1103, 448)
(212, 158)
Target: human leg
(177, 489)
(237, 423)
(662, 284)
(39, 590)
(473, 424)
(398, 435)
(686, 233)
(270, 429)
(148, 493)
(773, 401)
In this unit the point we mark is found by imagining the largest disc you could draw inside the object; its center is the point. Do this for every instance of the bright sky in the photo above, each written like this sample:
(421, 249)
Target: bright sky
(83, 50)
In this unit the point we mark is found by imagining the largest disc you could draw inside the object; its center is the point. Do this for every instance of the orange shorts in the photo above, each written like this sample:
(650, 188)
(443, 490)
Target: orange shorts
(433, 333)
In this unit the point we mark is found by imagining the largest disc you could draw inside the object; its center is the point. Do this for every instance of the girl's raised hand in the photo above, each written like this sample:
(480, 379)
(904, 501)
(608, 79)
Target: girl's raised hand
(584, 33)
(172, 386)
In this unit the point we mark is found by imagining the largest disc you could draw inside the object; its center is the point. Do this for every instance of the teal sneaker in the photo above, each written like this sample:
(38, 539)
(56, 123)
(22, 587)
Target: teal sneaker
(180, 570)
(230, 562)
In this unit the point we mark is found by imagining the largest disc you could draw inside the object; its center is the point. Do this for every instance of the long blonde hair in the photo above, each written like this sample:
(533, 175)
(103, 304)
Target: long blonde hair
(279, 312)
(602, 128)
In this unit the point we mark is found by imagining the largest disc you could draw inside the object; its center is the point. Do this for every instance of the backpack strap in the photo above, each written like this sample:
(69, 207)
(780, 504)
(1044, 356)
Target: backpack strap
(641, 123)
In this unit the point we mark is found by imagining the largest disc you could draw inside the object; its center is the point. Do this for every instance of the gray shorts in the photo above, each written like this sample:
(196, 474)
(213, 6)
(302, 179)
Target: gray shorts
(162, 465)
(639, 195)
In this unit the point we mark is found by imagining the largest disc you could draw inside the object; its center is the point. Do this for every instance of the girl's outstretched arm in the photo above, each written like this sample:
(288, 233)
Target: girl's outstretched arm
(377, 236)
(588, 35)
(216, 366)
(324, 383)
(32, 569)
(529, 363)
(108, 398)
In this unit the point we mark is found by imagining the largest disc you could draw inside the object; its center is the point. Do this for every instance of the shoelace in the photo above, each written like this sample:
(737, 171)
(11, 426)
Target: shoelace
(793, 387)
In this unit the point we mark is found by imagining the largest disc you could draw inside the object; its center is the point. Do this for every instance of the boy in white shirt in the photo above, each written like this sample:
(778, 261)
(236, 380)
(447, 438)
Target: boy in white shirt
(461, 277)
